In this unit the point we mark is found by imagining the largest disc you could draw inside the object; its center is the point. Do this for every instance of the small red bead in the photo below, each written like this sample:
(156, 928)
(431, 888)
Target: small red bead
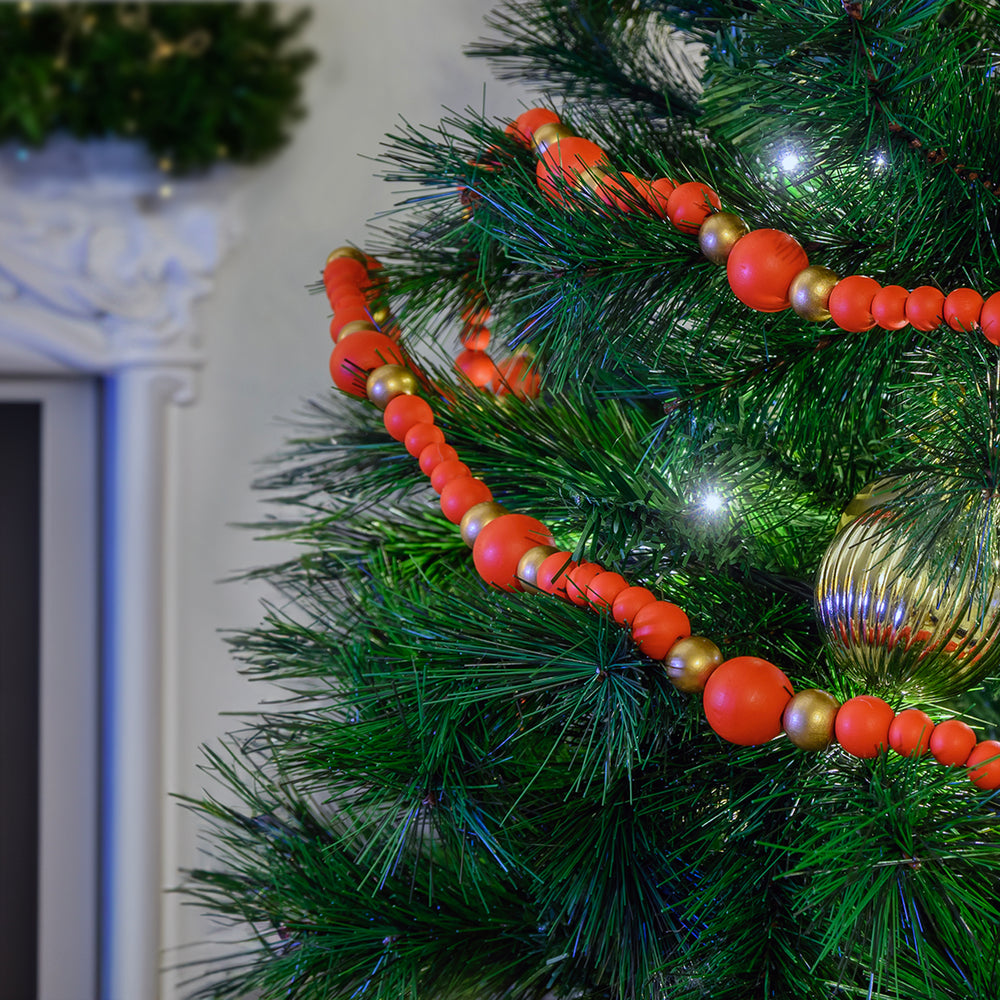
(500, 544)
(345, 293)
(477, 367)
(516, 377)
(344, 316)
(761, 266)
(475, 338)
(745, 699)
(862, 725)
(989, 318)
(342, 270)
(962, 308)
(433, 455)
(444, 472)
(889, 307)
(355, 356)
(851, 301)
(419, 436)
(628, 603)
(952, 742)
(403, 412)
(524, 124)
(690, 204)
(553, 573)
(925, 308)
(910, 732)
(571, 156)
(604, 588)
(982, 774)
(657, 626)
(579, 580)
(461, 494)
(658, 195)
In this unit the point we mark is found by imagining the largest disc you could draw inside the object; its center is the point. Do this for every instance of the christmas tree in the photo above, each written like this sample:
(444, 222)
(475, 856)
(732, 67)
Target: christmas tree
(643, 639)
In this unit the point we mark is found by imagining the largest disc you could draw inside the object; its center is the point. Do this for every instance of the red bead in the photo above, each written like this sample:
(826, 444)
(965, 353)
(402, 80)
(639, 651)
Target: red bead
(433, 455)
(952, 742)
(403, 412)
(524, 125)
(744, 700)
(343, 270)
(553, 574)
(475, 338)
(515, 376)
(862, 725)
(571, 156)
(477, 367)
(501, 543)
(355, 356)
(989, 318)
(962, 308)
(851, 301)
(345, 293)
(604, 588)
(627, 192)
(461, 494)
(476, 313)
(419, 436)
(910, 733)
(658, 195)
(444, 472)
(925, 307)
(690, 204)
(579, 580)
(344, 316)
(628, 603)
(657, 626)
(889, 307)
(984, 775)
(761, 266)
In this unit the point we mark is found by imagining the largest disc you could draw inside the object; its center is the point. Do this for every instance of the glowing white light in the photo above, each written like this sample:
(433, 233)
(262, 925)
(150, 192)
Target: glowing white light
(789, 161)
(881, 160)
(713, 503)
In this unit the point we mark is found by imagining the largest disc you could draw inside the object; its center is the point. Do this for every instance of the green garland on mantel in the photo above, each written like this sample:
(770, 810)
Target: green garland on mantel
(197, 82)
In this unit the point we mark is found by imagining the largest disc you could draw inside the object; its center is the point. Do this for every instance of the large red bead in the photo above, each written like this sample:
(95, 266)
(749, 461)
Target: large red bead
(952, 742)
(553, 574)
(863, 725)
(851, 303)
(962, 308)
(604, 588)
(571, 156)
(925, 308)
(501, 543)
(628, 603)
(761, 266)
(477, 367)
(657, 626)
(985, 775)
(403, 412)
(690, 204)
(910, 732)
(462, 493)
(889, 307)
(989, 318)
(745, 699)
(355, 356)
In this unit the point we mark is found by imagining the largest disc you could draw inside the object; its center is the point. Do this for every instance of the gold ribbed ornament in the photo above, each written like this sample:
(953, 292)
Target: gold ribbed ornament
(809, 292)
(549, 133)
(908, 597)
(477, 517)
(809, 719)
(690, 662)
(527, 567)
(718, 235)
(389, 381)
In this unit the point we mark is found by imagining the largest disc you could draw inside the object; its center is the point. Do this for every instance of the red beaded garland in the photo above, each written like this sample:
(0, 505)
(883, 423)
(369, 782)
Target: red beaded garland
(690, 204)
(989, 318)
(952, 742)
(355, 356)
(629, 602)
(925, 307)
(553, 574)
(604, 588)
(761, 266)
(403, 412)
(850, 303)
(500, 544)
(862, 725)
(984, 772)
(444, 472)
(579, 580)
(889, 307)
(461, 494)
(910, 733)
(433, 455)
(657, 626)
(962, 308)
(745, 698)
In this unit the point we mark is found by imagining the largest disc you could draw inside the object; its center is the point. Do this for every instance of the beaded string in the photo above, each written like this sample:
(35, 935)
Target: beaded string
(767, 269)
(747, 700)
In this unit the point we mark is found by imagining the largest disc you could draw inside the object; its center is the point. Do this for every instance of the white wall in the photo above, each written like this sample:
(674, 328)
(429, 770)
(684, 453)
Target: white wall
(267, 349)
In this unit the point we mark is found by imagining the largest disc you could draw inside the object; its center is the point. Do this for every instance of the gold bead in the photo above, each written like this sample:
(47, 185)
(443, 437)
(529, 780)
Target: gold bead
(380, 315)
(718, 235)
(810, 292)
(355, 326)
(389, 381)
(590, 177)
(690, 662)
(527, 568)
(548, 134)
(477, 517)
(809, 719)
(348, 252)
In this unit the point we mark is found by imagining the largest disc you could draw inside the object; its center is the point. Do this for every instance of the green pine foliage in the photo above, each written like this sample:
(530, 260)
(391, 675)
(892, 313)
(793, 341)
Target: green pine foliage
(196, 82)
(475, 794)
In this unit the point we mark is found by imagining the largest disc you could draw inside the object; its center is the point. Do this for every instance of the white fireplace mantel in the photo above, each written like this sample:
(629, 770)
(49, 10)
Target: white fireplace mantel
(102, 258)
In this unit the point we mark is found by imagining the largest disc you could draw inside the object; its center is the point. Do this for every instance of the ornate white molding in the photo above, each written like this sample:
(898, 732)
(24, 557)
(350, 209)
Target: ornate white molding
(102, 258)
